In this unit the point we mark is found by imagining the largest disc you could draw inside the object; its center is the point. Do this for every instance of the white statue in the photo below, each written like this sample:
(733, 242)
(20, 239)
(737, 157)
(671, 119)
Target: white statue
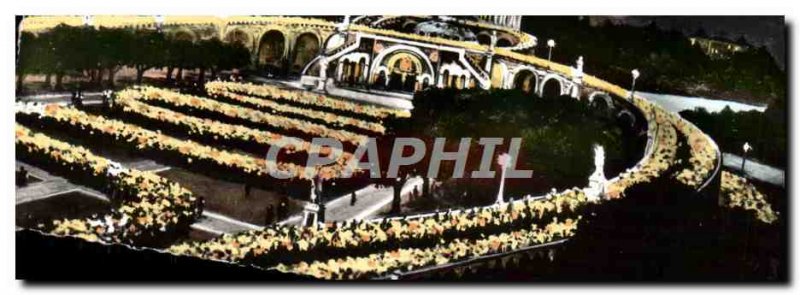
(597, 181)
(313, 195)
(323, 73)
(493, 40)
(344, 25)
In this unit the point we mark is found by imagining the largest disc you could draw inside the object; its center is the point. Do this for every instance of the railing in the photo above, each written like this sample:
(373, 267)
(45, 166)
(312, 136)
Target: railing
(429, 269)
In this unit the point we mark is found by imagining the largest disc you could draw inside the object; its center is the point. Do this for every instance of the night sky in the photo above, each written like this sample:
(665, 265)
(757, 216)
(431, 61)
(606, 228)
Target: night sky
(769, 31)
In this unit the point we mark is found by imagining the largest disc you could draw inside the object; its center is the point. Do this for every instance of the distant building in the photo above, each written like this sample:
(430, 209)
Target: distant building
(717, 48)
(508, 21)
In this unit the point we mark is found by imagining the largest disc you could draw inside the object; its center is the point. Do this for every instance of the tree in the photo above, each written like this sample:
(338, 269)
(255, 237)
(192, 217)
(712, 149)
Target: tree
(114, 48)
(207, 55)
(147, 52)
(26, 59)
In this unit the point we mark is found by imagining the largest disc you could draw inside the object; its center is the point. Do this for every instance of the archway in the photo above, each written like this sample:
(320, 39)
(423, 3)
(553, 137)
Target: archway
(601, 100)
(183, 36)
(409, 27)
(271, 49)
(380, 79)
(551, 88)
(426, 82)
(398, 58)
(306, 48)
(462, 82)
(503, 42)
(484, 38)
(238, 37)
(403, 71)
(362, 65)
(626, 118)
(525, 80)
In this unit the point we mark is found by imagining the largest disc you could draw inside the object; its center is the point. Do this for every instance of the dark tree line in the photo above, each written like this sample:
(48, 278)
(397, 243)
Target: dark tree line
(766, 133)
(99, 53)
(667, 59)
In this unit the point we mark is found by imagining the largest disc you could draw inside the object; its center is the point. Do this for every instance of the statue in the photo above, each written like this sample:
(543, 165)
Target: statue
(344, 25)
(493, 41)
(597, 181)
(313, 194)
(577, 78)
(323, 73)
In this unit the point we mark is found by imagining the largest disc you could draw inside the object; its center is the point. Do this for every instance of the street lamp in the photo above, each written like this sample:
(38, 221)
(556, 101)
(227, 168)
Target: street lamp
(550, 43)
(634, 74)
(745, 148)
(504, 160)
(159, 22)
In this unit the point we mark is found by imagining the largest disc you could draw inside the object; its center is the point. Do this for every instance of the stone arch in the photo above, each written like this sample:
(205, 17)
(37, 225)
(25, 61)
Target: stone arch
(381, 77)
(409, 26)
(484, 38)
(499, 76)
(624, 115)
(425, 80)
(504, 42)
(401, 62)
(552, 88)
(306, 48)
(352, 67)
(238, 36)
(601, 97)
(312, 68)
(452, 75)
(271, 49)
(184, 35)
(525, 80)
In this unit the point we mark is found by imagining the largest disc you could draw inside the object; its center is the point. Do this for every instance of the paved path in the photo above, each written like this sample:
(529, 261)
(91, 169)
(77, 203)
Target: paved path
(755, 169)
(369, 202)
(387, 99)
(220, 224)
(377, 99)
(88, 98)
(676, 103)
(52, 185)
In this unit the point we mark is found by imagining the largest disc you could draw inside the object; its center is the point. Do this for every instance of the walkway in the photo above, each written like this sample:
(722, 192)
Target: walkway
(88, 98)
(755, 169)
(49, 186)
(387, 99)
(370, 201)
(676, 103)
(377, 99)
(52, 185)
(220, 224)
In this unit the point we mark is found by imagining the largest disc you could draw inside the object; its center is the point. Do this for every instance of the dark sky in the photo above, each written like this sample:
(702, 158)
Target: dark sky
(767, 31)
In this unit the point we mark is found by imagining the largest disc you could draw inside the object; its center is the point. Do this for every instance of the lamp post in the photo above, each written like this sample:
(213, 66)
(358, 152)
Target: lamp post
(504, 160)
(745, 148)
(550, 43)
(634, 74)
(159, 22)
